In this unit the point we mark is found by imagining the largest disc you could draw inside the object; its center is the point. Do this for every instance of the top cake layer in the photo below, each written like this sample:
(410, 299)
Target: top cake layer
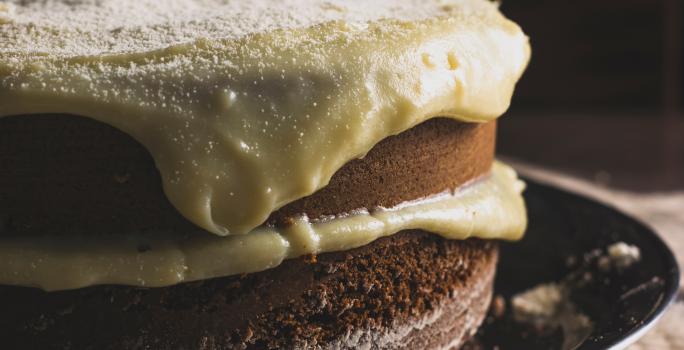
(248, 106)
(96, 27)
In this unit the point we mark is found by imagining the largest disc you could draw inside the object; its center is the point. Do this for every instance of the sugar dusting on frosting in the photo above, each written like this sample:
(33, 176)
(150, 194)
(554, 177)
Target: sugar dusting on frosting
(248, 106)
(88, 27)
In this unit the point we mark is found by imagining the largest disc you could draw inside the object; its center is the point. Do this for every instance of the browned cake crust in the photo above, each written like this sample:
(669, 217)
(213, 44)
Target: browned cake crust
(434, 156)
(412, 290)
(55, 166)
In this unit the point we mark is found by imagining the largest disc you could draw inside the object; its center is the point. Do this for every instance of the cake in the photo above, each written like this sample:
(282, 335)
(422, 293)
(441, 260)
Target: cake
(246, 175)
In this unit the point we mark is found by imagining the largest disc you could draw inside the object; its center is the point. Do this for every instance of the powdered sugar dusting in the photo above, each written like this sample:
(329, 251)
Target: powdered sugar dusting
(253, 105)
(89, 27)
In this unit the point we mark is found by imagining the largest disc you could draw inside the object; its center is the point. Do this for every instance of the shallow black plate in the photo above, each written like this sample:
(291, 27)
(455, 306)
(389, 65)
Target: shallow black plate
(563, 228)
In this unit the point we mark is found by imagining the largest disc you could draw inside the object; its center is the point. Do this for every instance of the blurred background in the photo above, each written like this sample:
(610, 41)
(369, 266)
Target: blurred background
(602, 97)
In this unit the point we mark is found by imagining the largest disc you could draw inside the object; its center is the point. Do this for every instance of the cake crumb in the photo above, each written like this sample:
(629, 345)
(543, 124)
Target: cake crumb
(619, 255)
(623, 254)
(537, 304)
(310, 258)
(122, 178)
(498, 306)
(546, 307)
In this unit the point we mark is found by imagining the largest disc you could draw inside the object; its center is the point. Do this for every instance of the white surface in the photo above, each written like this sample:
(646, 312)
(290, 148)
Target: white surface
(89, 27)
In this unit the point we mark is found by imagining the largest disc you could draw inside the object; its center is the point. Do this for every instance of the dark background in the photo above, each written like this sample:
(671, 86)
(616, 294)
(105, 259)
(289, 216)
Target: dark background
(602, 96)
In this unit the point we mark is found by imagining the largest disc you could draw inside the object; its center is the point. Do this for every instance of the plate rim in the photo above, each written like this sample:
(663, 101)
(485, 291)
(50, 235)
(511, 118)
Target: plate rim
(671, 286)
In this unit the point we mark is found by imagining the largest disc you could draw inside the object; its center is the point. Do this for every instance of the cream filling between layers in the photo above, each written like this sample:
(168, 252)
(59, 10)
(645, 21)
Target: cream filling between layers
(242, 114)
(491, 208)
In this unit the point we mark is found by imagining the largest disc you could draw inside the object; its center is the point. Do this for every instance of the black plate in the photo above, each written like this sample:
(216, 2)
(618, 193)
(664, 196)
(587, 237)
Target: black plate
(565, 227)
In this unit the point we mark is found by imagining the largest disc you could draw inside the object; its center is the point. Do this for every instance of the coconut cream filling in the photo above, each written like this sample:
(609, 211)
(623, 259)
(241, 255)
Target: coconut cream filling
(248, 106)
(491, 208)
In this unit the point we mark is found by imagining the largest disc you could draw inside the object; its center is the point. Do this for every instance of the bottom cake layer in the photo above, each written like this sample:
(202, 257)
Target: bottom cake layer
(412, 290)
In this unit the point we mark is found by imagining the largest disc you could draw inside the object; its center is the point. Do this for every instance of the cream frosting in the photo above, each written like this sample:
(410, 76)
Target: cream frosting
(248, 106)
(489, 208)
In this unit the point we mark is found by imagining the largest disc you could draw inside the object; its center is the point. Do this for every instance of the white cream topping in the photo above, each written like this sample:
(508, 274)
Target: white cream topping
(248, 106)
(489, 208)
